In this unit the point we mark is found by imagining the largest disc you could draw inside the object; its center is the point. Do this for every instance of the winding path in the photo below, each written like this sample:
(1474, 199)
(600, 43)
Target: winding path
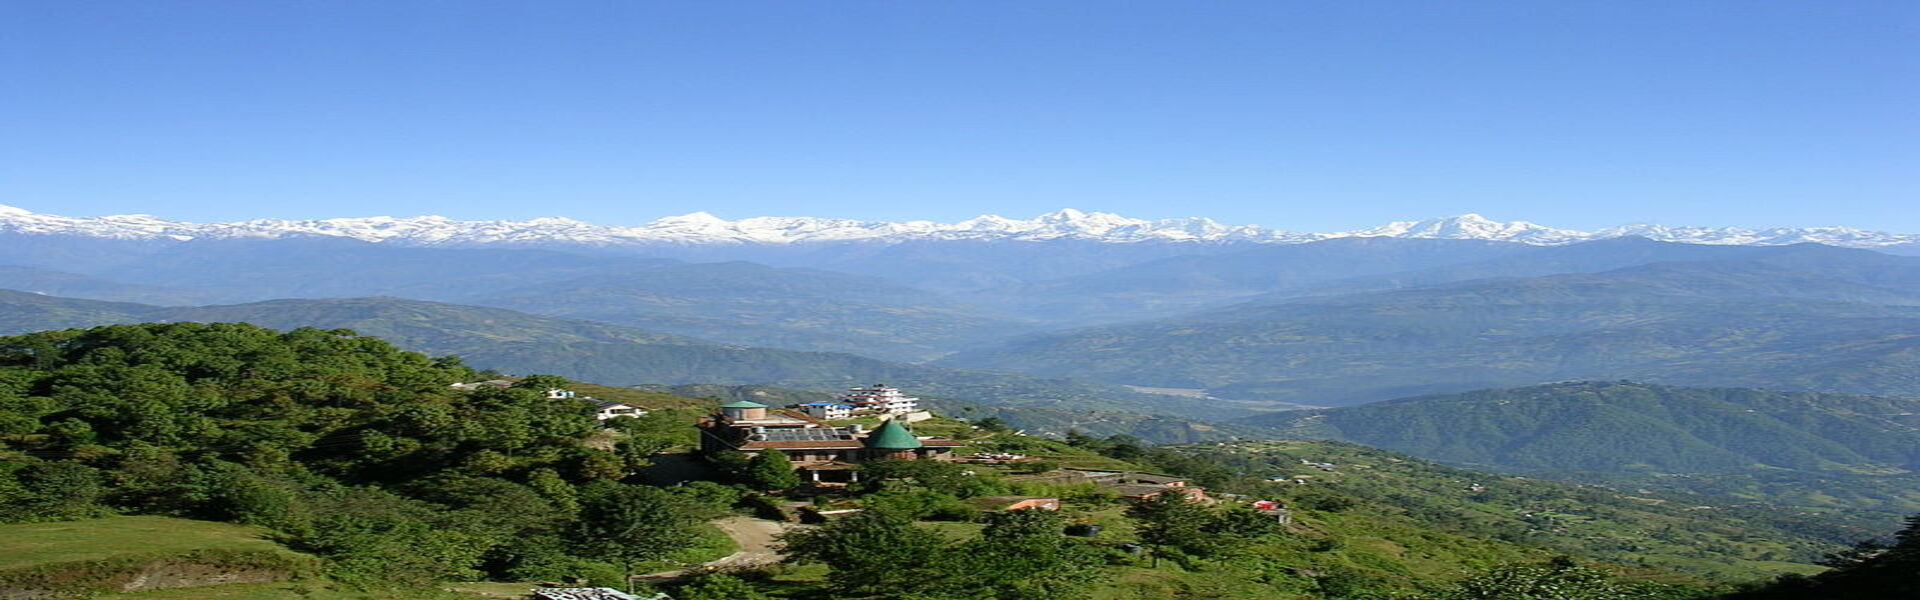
(755, 537)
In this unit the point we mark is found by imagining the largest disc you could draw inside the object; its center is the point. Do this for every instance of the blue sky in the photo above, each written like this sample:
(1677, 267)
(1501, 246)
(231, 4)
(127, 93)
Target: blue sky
(1297, 115)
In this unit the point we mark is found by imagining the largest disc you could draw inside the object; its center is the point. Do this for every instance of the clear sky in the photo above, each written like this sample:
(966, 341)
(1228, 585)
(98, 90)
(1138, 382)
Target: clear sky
(1297, 115)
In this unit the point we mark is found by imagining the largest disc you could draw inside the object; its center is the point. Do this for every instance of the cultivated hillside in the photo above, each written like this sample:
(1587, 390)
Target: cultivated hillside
(1798, 448)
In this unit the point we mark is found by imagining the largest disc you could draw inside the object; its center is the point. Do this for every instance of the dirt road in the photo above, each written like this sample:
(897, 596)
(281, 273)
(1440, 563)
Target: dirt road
(753, 536)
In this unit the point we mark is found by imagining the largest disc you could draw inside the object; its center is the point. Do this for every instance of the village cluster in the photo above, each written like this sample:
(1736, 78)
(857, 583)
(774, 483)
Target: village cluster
(828, 455)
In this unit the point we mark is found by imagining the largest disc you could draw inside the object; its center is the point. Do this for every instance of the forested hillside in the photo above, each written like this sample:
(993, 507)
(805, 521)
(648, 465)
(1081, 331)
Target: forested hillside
(344, 446)
(1743, 323)
(1622, 426)
(1793, 448)
(362, 457)
(1668, 532)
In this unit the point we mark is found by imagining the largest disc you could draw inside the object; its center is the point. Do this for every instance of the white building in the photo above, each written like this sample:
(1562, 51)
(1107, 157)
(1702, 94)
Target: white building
(828, 410)
(880, 399)
(608, 410)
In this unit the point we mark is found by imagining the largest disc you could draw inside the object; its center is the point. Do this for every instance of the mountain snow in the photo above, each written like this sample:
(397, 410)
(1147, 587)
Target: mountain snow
(704, 228)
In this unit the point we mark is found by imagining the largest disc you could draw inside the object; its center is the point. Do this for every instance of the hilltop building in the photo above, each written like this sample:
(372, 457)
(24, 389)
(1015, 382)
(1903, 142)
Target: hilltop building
(822, 453)
(607, 409)
(875, 400)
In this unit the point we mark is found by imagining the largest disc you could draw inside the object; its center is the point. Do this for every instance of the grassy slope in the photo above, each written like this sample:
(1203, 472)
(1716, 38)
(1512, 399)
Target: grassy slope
(651, 400)
(1643, 530)
(291, 590)
(31, 544)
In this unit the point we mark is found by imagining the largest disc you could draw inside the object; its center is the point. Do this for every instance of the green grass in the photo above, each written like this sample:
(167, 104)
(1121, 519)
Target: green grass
(32, 544)
(298, 590)
(712, 545)
(649, 399)
(954, 531)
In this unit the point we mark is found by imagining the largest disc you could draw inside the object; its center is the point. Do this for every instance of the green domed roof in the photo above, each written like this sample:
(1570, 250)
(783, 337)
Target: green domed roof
(891, 435)
(743, 404)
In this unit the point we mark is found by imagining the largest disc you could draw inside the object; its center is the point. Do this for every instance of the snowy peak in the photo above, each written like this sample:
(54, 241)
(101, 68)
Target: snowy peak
(1475, 227)
(1064, 224)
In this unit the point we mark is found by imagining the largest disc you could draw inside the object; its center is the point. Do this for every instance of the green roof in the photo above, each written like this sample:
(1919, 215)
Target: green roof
(743, 404)
(891, 435)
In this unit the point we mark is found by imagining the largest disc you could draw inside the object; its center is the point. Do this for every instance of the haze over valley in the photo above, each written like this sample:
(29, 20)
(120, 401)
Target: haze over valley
(1061, 300)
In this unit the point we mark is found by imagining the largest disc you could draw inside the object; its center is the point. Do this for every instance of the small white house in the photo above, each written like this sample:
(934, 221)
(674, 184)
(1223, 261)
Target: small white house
(491, 383)
(828, 410)
(559, 394)
(608, 410)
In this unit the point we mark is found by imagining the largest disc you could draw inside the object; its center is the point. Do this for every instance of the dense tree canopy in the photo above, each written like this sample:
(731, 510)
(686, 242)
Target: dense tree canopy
(345, 445)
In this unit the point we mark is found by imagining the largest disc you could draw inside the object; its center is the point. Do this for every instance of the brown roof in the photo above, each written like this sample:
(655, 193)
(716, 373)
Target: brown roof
(943, 443)
(801, 415)
(1141, 491)
(831, 465)
(1010, 499)
(846, 444)
(1152, 478)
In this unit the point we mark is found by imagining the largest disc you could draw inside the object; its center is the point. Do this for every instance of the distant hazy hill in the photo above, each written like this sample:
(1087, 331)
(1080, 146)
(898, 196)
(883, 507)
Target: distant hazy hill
(748, 303)
(248, 270)
(1194, 281)
(1827, 323)
(1793, 448)
(1615, 426)
(733, 302)
(910, 298)
(522, 343)
(74, 285)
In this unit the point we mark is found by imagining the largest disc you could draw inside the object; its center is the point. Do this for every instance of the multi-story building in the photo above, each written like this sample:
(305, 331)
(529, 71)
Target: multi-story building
(822, 453)
(880, 399)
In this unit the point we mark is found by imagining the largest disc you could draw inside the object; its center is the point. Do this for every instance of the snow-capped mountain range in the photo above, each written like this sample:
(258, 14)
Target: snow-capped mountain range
(703, 228)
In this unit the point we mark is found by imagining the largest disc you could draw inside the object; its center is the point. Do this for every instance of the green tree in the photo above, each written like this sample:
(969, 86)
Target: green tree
(710, 500)
(1022, 555)
(49, 491)
(719, 586)
(870, 552)
(944, 477)
(629, 524)
(542, 383)
(376, 537)
(1169, 524)
(731, 464)
(771, 470)
(1559, 579)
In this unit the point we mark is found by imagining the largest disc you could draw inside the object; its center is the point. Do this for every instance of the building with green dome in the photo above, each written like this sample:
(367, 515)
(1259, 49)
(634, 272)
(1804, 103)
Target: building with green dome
(824, 454)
